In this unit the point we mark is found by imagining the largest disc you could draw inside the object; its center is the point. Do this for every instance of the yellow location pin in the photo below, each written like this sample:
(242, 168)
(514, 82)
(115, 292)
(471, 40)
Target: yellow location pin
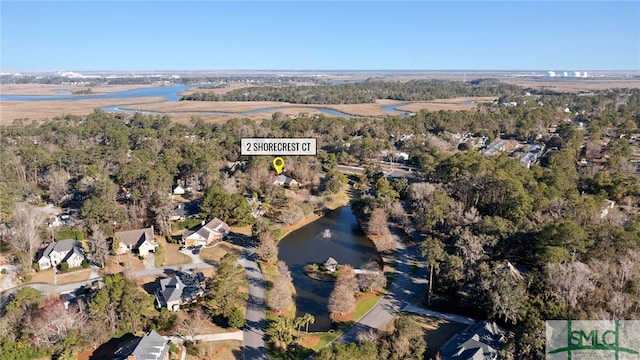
(278, 164)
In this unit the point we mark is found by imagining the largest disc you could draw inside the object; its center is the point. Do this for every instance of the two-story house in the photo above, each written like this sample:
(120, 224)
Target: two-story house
(69, 251)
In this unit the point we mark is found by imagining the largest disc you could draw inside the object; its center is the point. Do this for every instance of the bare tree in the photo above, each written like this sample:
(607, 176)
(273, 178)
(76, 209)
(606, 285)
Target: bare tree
(371, 277)
(570, 281)
(342, 300)
(58, 185)
(25, 239)
(385, 243)
(161, 209)
(369, 335)
(51, 325)
(98, 246)
(267, 249)
(192, 325)
(378, 222)
(347, 277)
(471, 249)
(280, 296)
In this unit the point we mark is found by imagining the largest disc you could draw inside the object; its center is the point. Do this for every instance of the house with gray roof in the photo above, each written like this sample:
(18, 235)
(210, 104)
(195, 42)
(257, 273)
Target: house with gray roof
(139, 241)
(206, 234)
(482, 341)
(69, 251)
(151, 347)
(182, 288)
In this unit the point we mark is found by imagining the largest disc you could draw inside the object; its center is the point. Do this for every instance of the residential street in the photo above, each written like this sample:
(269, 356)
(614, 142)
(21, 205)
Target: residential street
(254, 346)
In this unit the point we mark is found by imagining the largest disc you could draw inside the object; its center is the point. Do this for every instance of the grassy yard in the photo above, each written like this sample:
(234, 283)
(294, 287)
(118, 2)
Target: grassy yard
(216, 350)
(74, 276)
(128, 261)
(215, 253)
(46, 276)
(169, 254)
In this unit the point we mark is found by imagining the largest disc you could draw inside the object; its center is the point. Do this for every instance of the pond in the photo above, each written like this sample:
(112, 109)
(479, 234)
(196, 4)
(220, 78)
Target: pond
(336, 235)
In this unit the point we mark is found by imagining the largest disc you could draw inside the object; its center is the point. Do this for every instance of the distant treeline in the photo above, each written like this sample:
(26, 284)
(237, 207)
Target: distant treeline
(362, 92)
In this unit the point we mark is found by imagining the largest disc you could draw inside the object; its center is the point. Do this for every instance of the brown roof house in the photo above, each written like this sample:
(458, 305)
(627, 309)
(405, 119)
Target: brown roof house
(206, 234)
(139, 241)
(181, 289)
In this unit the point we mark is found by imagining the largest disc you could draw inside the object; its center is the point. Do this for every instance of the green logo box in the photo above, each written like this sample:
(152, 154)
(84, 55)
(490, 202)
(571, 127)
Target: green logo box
(592, 339)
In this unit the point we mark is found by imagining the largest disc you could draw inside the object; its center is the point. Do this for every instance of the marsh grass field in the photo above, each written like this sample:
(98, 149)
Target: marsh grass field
(47, 109)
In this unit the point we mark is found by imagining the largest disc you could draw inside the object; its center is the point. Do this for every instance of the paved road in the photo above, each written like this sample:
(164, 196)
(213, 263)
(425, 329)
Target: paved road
(406, 288)
(254, 346)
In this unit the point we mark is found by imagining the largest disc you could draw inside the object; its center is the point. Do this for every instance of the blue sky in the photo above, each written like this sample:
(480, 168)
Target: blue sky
(329, 35)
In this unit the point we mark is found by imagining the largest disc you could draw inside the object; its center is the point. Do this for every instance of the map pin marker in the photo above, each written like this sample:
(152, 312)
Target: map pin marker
(278, 164)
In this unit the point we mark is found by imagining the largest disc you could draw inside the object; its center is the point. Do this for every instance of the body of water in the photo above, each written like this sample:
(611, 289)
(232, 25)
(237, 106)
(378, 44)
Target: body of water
(393, 108)
(169, 93)
(336, 235)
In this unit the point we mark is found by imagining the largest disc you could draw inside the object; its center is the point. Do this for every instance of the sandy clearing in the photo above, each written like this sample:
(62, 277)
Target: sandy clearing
(45, 89)
(42, 110)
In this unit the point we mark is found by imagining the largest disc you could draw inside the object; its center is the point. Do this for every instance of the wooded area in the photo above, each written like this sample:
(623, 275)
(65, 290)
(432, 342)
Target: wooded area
(516, 244)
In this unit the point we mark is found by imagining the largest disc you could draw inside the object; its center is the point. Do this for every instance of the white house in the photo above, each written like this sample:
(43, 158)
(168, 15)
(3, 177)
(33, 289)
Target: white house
(206, 234)
(140, 241)
(69, 251)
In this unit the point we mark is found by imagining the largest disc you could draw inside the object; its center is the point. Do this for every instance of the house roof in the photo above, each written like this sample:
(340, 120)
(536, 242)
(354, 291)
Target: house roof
(171, 288)
(331, 261)
(215, 226)
(68, 246)
(151, 347)
(482, 341)
(282, 179)
(182, 287)
(135, 237)
(60, 246)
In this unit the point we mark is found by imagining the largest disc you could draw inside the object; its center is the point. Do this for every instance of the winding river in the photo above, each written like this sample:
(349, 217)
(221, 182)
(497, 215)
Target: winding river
(336, 235)
(171, 94)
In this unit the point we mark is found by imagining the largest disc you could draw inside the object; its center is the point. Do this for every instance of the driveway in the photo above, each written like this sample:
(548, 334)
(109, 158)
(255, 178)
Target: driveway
(254, 346)
(7, 279)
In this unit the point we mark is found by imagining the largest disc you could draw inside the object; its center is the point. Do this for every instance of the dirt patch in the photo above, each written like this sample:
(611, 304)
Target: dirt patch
(48, 109)
(344, 317)
(308, 340)
(128, 262)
